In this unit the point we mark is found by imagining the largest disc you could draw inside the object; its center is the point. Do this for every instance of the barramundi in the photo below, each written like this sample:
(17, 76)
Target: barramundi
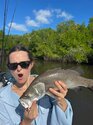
(41, 84)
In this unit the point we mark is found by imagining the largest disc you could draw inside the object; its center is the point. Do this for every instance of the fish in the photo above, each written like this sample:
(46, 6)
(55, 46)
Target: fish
(41, 84)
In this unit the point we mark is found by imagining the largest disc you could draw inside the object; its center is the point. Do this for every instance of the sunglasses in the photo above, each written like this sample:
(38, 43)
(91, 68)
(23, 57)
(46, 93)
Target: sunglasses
(23, 64)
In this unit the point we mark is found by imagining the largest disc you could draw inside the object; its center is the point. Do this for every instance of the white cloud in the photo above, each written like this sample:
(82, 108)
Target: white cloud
(19, 27)
(43, 16)
(30, 22)
(62, 14)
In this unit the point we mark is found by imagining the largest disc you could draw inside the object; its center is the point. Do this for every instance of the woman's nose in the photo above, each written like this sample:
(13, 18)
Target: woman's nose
(19, 68)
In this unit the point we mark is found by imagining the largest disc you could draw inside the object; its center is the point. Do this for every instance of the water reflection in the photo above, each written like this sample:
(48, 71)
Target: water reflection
(84, 70)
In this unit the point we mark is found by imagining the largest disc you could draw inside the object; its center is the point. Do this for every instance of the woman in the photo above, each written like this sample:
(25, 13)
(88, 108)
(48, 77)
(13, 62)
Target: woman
(43, 112)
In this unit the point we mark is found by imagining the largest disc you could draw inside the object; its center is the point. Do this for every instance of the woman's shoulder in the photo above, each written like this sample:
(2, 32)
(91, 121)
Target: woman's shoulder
(5, 90)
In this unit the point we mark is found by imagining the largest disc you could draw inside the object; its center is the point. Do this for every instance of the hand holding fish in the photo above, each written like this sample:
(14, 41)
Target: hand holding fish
(30, 114)
(60, 92)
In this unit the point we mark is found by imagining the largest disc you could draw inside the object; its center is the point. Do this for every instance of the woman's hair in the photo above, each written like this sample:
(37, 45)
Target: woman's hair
(20, 47)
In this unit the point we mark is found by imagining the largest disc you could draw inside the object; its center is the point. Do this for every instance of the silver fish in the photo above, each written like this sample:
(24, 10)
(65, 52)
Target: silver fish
(40, 86)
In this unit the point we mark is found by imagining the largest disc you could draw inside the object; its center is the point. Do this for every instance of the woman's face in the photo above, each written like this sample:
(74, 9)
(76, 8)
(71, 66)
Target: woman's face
(20, 74)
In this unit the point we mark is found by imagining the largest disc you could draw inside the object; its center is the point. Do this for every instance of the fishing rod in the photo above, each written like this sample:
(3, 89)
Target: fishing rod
(3, 35)
(12, 20)
(3, 50)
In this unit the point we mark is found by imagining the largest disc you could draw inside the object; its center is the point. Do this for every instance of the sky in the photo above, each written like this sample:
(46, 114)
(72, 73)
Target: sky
(29, 15)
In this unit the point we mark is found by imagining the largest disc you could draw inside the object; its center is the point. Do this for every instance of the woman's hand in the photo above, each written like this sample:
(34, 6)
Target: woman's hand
(30, 114)
(60, 92)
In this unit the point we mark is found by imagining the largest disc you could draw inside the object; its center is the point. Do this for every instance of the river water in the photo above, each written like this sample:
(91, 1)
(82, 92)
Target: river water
(82, 99)
(83, 69)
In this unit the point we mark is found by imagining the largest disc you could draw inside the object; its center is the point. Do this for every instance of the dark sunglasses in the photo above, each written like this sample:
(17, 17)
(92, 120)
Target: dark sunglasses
(24, 65)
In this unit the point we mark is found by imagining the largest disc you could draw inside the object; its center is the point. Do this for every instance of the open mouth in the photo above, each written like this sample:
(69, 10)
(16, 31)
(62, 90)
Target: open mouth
(20, 75)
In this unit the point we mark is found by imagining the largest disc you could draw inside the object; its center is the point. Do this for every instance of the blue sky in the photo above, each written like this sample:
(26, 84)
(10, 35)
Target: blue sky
(37, 14)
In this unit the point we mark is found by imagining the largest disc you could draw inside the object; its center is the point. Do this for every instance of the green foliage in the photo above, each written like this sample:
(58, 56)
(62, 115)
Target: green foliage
(70, 41)
(43, 43)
